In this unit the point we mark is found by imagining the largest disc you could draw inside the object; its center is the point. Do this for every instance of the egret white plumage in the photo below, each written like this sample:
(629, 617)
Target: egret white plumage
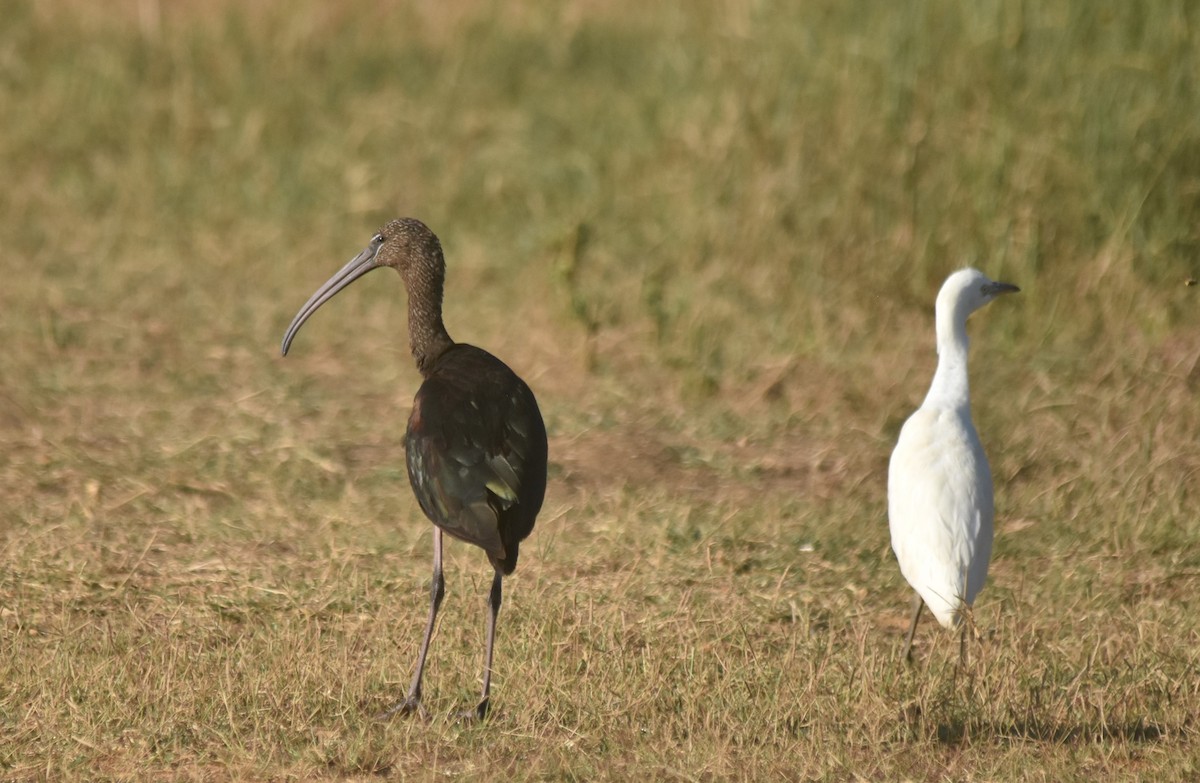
(940, 503)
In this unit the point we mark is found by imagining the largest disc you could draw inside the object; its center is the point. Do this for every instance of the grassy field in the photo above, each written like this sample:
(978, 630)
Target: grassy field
(709, 235)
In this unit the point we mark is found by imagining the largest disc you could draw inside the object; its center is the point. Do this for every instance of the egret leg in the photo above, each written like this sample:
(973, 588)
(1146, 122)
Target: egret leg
(481, 710)
(437, 591)
(962, 646)
(917, 605)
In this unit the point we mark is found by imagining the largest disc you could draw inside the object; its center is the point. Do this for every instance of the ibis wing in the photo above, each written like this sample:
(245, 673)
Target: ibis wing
(473, 453)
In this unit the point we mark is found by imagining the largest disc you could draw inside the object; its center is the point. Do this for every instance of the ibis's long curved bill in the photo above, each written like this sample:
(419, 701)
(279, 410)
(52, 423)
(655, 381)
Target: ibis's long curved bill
(359, 265)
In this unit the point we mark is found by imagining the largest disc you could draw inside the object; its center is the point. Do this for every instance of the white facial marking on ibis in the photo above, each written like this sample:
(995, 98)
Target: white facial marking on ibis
(940, 503)
(476, 443)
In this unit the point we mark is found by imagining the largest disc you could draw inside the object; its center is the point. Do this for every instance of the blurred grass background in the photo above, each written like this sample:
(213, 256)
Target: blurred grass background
(709, 235)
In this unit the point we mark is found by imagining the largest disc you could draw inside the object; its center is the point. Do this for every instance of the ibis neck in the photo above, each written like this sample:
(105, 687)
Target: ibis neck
(950, 387)
(427, 336)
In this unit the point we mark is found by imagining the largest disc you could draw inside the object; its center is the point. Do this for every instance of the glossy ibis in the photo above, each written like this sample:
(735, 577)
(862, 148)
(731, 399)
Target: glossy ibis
(476, 443)
(939, 483)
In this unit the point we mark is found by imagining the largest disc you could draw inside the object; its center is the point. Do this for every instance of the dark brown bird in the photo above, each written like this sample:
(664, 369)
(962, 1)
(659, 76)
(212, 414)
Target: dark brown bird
(476, 441)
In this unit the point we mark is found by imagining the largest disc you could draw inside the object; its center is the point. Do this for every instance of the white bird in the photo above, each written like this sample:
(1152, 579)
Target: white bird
(939, 484)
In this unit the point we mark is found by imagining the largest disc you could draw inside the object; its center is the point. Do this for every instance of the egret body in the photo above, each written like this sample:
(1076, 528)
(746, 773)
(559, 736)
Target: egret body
(940, 504)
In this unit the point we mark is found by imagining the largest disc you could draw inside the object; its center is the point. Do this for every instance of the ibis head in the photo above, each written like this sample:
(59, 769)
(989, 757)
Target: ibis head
(408, 246)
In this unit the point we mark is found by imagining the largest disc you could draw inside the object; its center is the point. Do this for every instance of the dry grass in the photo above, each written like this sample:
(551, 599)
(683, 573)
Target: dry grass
(709, 237)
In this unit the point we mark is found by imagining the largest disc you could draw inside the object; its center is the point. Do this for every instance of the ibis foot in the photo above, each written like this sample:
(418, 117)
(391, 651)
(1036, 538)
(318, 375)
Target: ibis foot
(475, 715)
(405, 708)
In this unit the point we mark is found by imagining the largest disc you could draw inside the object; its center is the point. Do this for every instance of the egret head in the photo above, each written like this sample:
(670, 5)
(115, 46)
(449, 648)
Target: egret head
(967, 290)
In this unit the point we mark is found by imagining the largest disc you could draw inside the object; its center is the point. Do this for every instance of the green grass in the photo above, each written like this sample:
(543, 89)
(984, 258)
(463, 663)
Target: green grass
(709, 236)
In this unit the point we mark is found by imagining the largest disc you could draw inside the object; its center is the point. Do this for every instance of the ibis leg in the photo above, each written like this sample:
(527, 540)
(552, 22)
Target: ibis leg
(917, 605)
(481, 709)
(437, 590)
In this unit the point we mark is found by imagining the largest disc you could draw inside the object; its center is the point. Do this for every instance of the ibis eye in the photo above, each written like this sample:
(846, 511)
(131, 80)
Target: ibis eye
(377, 239)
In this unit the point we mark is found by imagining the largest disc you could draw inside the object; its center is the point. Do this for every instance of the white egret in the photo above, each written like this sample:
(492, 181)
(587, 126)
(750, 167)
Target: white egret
(940, 504)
